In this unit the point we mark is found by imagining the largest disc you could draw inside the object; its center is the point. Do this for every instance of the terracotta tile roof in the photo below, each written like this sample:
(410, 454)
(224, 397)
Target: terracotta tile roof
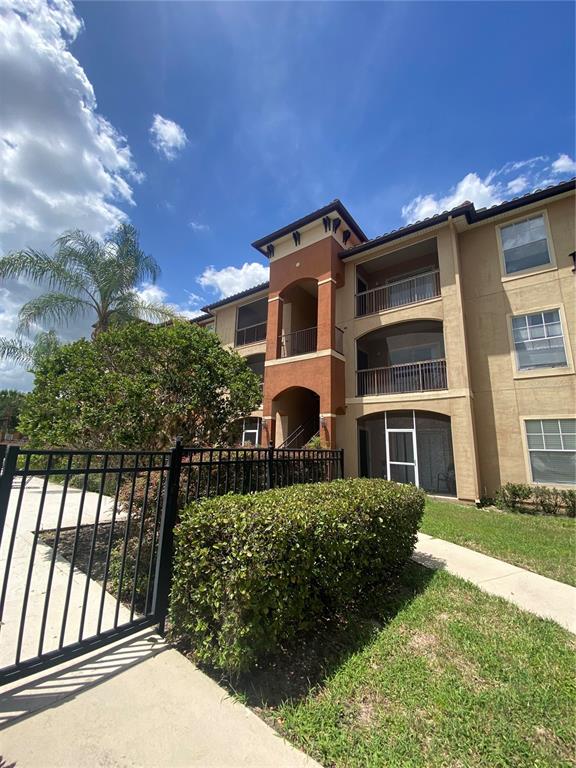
(466, 209)
(248, 292)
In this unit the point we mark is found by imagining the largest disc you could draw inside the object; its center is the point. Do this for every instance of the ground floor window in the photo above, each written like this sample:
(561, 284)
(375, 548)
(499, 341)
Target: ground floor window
(251, 432)
(552, 449)
(408, 447)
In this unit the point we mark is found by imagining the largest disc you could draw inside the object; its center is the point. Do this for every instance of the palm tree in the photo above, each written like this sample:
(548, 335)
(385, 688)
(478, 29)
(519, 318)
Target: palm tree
(86, 276)
(29, 353)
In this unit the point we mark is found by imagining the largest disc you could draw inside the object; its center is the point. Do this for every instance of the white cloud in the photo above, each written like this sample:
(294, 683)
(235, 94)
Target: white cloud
(564, 165)
(157, 295)
(497, 186)
(152, 293)
(62, 164)
(482, 192)
(167, 137)
(231, 280)
(517, 185)
(196, 226)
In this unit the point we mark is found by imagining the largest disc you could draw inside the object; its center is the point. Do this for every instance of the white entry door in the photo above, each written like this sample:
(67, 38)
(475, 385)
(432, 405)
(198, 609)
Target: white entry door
(402, 455)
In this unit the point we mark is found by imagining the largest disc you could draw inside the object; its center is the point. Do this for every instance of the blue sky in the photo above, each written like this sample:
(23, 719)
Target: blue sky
(398, 109)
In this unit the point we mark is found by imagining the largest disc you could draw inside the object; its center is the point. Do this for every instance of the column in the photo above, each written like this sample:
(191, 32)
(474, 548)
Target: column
(326, 313)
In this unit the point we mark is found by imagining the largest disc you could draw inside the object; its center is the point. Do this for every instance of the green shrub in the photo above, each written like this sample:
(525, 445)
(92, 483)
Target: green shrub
(569, 499)
(536, 499)
(548, 501)
(513, 496)
(255, 572)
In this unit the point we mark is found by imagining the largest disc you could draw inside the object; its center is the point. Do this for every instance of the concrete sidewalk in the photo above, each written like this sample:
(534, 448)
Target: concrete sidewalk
(530, 591)
(138, 703)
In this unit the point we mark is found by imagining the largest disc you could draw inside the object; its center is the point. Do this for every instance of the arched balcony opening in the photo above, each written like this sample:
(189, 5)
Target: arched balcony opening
(297, 417)
(407, 357)
(299, 319)
(408, 447)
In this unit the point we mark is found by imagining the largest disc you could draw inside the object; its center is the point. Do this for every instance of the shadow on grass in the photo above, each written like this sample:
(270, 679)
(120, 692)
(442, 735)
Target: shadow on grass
(292, 674)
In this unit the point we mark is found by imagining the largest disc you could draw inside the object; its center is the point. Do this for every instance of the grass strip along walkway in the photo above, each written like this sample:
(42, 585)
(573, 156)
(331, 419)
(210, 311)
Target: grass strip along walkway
(442, 675)
(542, 544)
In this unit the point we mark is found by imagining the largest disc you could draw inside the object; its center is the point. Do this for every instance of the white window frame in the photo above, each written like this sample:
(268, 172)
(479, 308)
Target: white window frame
(527, 373)
(528, 450)
(525, 316)
(532, 270)
(257, 431)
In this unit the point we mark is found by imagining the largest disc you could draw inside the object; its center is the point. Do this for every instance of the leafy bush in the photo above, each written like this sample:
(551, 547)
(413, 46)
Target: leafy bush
(138, 386)
(512, 496)
(253, 573)
(548, 501)
(538, 499)
(569, 499)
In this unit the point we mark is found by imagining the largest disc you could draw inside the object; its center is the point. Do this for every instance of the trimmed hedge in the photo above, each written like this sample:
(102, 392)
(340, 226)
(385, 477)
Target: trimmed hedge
(253, 573)
(535, 499)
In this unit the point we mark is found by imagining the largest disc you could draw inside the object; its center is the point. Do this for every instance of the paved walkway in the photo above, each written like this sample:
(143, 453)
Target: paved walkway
(65, 584)
(530, 591)
(138, 703)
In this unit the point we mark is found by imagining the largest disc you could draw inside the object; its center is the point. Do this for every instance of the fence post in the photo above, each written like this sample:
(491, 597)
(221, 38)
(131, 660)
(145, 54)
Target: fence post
(341, 463)
(270, 466)
(7, 466)
(164, 562)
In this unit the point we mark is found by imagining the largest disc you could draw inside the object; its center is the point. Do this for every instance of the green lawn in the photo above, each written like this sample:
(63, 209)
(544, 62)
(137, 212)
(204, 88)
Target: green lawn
(546, 545)
(442, 675)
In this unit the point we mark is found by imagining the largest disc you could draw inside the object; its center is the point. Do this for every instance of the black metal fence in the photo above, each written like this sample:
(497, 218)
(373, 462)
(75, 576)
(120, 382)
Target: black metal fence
(86, 537)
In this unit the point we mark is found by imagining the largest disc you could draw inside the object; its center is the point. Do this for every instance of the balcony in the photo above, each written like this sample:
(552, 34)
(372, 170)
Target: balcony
(250, 334)
(299, 342)
(306, 341)
(399, 293)
(425, 376)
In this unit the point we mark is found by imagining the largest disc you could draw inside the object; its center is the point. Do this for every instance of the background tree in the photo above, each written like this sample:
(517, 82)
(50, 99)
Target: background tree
(139, 386)
(86, 276)
(11, 402)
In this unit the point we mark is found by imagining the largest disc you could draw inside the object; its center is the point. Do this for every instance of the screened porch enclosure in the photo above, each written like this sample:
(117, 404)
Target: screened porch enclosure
(408, 447)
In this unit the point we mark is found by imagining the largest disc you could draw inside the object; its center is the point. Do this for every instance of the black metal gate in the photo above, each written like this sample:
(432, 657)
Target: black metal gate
(86, 537)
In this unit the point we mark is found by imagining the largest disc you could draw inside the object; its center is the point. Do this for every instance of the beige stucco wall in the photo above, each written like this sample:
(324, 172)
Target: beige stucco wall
(503, 397)
(310, 234)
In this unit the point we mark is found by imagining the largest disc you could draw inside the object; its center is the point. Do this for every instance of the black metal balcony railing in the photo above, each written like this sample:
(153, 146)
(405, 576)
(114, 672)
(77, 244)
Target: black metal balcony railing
(410, 290)
(251, 334)
(299, 342)
(412, 377)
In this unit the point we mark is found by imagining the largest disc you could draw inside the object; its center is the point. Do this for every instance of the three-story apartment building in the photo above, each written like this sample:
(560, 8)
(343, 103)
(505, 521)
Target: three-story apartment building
(441, 353)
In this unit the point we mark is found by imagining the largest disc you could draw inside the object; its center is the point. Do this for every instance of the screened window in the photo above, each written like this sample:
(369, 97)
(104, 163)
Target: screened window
(525, 245)
(538, 340)
(552, 448)
(251, 322)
